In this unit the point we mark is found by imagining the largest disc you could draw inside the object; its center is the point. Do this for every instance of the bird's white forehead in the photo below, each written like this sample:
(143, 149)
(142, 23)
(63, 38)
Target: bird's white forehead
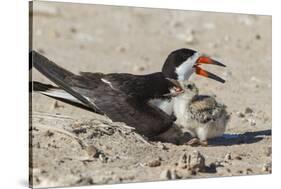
(185, 70)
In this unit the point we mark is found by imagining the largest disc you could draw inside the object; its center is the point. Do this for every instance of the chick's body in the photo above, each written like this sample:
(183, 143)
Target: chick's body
(201, 115)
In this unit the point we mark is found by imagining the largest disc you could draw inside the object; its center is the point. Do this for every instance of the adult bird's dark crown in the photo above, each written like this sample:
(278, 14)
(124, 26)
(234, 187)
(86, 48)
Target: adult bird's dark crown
(182, 63)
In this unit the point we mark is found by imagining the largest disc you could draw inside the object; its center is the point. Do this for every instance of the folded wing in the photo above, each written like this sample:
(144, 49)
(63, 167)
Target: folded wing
(93, 93)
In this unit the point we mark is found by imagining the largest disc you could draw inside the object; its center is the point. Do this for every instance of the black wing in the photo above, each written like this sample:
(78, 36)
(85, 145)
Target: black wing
(96, 94)
(143, 87)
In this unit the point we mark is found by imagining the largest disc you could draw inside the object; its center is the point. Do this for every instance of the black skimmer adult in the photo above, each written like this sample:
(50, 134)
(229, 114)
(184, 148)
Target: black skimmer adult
(155, 89)
(121, 97)
(180, 65)
(201, 115)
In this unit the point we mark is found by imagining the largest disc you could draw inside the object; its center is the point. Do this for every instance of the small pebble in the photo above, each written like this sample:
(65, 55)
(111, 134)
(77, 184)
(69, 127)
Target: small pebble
(267, 167)
(227, 157)
(196, 162)
(166, 175)
(38, 145)
(240, 172)
(174, 174)
(252, 122)
(248, 110)
(183, 158)
(258, 37)
(240, 114)
(169, 174)
(85, 181)
(73, 30)
(49, 133)
(190, 39)
(57, 105)
(238, 158)
(162, 146)
(92, 151)
(154, 163)
(79, 130)
(103, 158)
(121, 49)
(182, 163)
(249, 170)
(218, 163)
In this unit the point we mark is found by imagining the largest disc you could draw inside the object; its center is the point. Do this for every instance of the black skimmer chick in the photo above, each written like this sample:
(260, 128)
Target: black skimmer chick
(201, 115)
(121, 97)
(180, 65)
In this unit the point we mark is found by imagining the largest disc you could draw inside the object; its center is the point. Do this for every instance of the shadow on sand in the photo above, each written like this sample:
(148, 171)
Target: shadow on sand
(236, 139)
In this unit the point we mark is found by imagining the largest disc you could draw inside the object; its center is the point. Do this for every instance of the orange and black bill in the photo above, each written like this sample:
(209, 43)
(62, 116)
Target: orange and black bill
(204, 73)
(207, 74)
(207, 60)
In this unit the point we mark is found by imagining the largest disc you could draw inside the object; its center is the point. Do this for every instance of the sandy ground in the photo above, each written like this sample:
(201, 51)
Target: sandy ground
(71, 146)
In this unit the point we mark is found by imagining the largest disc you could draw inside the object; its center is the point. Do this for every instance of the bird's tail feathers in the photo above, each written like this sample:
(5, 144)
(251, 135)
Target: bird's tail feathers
(58, 94)
(58, 75)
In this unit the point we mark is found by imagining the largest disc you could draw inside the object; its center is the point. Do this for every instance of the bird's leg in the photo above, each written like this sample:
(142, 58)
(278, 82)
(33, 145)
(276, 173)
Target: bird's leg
(197, 142)
(193, 142)
(204, 143)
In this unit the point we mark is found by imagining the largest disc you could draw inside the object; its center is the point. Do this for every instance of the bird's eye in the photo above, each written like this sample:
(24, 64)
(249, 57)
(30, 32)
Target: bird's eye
(189, 86)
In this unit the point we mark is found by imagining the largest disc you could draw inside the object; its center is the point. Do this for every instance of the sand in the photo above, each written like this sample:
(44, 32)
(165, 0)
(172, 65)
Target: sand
(71, 146)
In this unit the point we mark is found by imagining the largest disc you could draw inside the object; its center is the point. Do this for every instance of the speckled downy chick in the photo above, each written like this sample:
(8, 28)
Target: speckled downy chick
(201, 115)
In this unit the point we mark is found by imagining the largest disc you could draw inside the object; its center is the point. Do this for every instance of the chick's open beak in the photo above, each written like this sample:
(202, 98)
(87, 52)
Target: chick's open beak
(204, 73)
(177, 88)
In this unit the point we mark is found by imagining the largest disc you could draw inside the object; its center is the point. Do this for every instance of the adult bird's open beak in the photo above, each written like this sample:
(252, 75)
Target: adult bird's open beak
(204, 73)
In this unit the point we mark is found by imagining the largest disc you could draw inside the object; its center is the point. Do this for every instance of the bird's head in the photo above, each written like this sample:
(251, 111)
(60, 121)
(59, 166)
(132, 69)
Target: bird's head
(182, 63)
(189, 91)
(189, 87)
